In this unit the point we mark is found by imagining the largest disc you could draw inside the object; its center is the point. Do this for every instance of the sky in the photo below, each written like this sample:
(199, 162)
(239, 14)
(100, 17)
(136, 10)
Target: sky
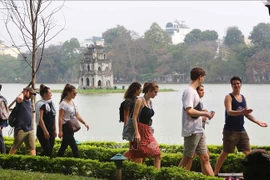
(85, 19)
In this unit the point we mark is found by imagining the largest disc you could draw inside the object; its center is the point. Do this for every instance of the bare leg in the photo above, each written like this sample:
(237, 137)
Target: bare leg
(157, 161)
(205, 165)
(32, 152)
(185, 161)
(246, 152)
(220, 161)
(189, 165)
(126, 154)
(12, 151)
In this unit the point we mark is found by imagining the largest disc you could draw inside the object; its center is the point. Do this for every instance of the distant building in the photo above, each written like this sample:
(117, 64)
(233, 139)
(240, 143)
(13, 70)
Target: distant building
(5, 50)
(177, 31)
(247, 41)
(95, 69)
(94, 40)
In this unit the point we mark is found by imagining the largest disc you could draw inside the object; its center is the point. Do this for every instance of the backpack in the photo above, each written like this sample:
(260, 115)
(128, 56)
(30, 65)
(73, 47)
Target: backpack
(13, 115)
(121, 112)
(256, 165)
(4, 112)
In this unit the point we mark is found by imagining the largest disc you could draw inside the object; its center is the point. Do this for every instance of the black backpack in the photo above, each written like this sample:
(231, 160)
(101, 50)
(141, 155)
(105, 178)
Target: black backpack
(121, 112)
(257, 165)
(13, 116)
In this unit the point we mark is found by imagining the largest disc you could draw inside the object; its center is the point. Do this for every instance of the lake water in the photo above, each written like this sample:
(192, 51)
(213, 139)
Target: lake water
(101, 111)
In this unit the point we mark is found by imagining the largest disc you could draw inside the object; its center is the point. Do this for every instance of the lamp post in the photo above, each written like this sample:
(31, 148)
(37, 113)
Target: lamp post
(118, 160)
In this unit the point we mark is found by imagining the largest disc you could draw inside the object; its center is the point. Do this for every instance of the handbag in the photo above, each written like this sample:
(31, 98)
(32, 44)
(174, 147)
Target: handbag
(128, 129)
(73, 124)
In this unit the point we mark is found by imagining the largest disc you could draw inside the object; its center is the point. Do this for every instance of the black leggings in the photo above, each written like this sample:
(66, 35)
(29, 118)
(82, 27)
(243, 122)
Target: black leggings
(46, 144)
(2, 143)
(68, 139)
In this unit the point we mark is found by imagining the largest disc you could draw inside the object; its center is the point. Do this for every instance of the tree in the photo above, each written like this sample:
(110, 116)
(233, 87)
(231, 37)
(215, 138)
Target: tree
(209, 35)
(258, 67)
(33, 21)
(112, 34)
(234, 36)
(125, 50)
(196, 36)
(193, 37)
(157, 38)
(260, 35)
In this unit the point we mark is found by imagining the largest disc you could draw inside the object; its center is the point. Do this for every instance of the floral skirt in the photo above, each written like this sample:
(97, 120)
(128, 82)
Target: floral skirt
(147, 147)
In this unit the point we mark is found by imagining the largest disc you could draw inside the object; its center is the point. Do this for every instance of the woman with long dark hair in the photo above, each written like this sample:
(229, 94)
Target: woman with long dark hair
(68, 111)
(131, 95)
(45, 119)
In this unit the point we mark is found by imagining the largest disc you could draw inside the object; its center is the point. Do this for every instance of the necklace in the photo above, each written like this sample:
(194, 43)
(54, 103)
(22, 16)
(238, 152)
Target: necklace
(148, 104)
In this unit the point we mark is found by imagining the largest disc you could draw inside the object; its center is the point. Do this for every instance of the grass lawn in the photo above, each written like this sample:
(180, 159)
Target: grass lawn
(7, 174)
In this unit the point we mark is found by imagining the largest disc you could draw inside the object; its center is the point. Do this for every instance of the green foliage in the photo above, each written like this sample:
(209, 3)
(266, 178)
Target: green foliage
(92, 168)
(111, 35)
(157, 38)
(233, 36)
(17, 174)
(196, 36)
(260, 35)
(136, 58)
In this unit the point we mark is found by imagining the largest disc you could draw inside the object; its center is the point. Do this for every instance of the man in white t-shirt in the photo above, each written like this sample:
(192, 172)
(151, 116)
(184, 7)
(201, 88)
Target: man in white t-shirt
(192, 128)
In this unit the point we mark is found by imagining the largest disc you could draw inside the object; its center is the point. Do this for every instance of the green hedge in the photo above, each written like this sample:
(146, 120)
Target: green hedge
(93, 168)
(172, 148)
(103, 151)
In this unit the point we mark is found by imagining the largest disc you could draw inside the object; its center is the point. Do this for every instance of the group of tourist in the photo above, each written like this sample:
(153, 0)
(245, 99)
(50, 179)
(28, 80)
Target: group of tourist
(193, 123)
(140, 111)
(45, 121)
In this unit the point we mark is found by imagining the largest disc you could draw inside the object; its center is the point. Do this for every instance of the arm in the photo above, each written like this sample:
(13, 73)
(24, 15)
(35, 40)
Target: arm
(230, 112)
(54, 127)
(78, 116)
(138, 105)
(126, 116)
(20, 97)
(254, 120)
(195, 113)
(42, 124)
(60, 122)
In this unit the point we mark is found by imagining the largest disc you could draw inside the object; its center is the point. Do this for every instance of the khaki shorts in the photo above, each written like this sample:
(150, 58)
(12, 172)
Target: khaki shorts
(28, 138)
(195, 143)
(233, 139)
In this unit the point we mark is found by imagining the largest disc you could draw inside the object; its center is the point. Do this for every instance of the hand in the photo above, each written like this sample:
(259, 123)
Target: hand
(246, 111)
(46, 135)
(209, 115)
(213, 113)
(60, 134)
(137, 137)
(262, 124)
(87, 126)
(203, 118)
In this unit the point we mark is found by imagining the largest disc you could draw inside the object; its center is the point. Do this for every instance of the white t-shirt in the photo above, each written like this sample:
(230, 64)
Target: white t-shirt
(190, 98)
(70, 111)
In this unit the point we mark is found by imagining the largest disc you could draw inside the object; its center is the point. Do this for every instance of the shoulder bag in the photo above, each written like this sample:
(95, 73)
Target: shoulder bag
(128, 130)
(73, 124)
